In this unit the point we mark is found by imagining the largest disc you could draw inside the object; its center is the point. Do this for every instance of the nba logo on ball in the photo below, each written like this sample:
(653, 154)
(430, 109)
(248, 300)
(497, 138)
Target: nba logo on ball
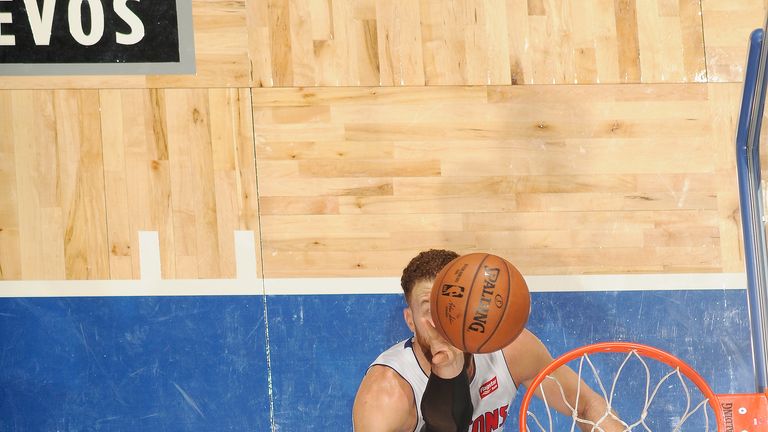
(491, 308)
(453, 291)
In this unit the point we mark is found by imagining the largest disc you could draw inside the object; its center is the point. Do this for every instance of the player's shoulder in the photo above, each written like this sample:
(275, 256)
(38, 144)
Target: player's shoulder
(384, 397)
(386, 383)
(526, 356)
(525, 343)
(398, 349)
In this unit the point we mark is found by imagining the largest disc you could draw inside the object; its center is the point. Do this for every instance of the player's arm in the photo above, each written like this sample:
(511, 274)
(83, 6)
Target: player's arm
(592, 407)
(384, 403)
(446, 405)
(527, 356)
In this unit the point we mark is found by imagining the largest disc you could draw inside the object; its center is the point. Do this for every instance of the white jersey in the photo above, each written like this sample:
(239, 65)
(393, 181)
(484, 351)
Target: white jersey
(492, 388)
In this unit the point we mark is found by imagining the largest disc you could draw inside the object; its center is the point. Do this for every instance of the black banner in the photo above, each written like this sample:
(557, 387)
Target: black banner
(88, 31)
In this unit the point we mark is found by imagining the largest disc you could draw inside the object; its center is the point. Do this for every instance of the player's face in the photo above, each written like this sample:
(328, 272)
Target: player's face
(420, 300)
(420, 313)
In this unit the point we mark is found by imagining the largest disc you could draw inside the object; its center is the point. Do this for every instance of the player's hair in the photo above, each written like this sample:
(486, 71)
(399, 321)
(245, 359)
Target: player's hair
(424, 266)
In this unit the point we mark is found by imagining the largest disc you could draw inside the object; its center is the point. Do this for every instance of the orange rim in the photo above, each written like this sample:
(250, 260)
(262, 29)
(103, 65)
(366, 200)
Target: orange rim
(623, 347)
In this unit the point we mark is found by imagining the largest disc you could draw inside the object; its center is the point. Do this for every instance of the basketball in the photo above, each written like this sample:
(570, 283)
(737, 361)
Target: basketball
(480, 303)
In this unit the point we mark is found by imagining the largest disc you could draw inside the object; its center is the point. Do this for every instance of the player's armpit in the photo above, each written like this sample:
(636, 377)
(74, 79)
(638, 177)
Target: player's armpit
(526, 357)
(384, 403)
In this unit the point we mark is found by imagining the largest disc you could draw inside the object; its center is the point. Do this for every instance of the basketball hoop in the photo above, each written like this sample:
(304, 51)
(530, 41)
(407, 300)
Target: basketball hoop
(697, 406)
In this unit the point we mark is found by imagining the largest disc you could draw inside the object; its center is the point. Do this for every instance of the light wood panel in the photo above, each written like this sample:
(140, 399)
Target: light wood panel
(560, 179)
(285, 43)
(727, 26)
(137, 177)
(353, 182)
(184, 167)
(479, 42)
(10, 248)
(401, 154)
(54, 205)
(85, 171)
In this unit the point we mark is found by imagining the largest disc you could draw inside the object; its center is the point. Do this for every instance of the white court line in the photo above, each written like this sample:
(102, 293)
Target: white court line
(149, 255)
(564, 283)
(248, 283)
(324, 286)
(130, 288)
(638, 282)
(245, 255)
(304, 286)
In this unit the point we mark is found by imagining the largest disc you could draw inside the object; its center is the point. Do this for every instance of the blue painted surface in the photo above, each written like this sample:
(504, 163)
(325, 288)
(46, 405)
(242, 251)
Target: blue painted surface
(320, 348)
(198, 363)
(322, 345)
(707, 329)
(128, 364)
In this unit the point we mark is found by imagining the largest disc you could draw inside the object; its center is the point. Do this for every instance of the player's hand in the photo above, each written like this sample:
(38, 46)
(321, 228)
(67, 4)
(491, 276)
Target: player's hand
(446, 360)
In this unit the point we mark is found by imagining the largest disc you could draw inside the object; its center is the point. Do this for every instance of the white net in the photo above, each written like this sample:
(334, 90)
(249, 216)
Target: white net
(643, 395)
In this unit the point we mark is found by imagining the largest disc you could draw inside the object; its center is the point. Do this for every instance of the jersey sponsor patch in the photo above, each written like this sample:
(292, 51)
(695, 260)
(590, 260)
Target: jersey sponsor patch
(488, 387)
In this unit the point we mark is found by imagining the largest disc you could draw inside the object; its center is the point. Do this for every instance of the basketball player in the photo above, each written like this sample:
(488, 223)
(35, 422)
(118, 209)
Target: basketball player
(426, 384)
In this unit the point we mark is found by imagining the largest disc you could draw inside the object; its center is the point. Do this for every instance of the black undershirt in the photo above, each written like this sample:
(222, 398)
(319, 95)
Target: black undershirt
(446, 405)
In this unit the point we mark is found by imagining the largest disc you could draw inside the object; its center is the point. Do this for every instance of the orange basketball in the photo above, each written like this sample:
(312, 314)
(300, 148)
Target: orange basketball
(480, 303)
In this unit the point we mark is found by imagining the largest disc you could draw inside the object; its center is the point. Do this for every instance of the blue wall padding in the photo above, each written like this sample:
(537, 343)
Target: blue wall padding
(322, 345)
(199, 363)
(133, 363)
